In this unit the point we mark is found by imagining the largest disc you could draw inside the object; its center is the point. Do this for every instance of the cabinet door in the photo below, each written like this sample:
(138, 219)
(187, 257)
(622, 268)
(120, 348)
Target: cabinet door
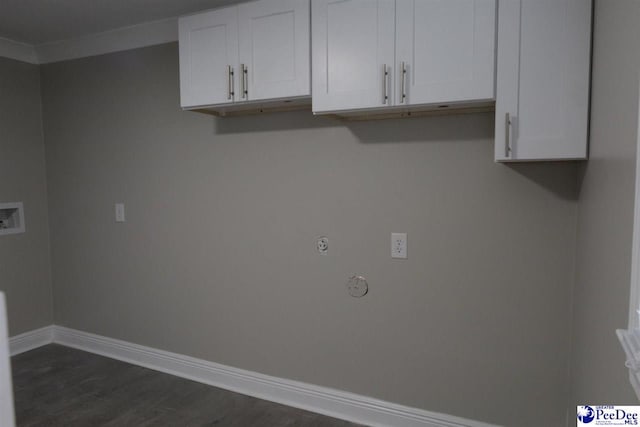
(208, 51)
(352, 44)
(542, 94)
(446, 49)
(274, 49)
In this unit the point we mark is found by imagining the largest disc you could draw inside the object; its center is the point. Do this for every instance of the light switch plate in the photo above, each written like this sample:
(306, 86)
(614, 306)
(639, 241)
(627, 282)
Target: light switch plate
(399, 245)
(120, 212)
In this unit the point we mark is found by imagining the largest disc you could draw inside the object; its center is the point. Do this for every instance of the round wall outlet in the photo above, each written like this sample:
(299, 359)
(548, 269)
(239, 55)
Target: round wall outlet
(323, 245)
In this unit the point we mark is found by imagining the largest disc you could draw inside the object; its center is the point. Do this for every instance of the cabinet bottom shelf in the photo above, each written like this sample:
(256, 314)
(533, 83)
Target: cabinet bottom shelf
(412, 111)
(255, 107)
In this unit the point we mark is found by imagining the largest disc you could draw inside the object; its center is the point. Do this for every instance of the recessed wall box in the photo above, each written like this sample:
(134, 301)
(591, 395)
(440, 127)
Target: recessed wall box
(11, 218)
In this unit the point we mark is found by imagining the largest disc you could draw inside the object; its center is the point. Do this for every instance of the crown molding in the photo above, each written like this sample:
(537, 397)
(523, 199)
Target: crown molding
(125, 38)
(19, 51)
(133, 37)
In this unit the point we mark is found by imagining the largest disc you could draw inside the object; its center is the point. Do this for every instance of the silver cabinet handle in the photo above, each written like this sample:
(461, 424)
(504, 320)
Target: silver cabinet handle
(245, 81)
(403, 74)
(385, 74)
(507, 135)
(242, 89)
(230, 91)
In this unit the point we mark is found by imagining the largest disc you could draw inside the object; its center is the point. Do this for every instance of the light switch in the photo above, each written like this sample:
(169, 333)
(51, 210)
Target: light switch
(399, 245)
(119, 212)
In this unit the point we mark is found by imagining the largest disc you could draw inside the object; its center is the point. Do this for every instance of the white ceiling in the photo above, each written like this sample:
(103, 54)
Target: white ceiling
(41, 21)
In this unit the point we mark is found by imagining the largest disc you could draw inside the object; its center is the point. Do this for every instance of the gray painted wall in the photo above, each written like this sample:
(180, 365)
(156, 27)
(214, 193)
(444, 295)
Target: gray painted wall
(603, 264)
(217, 258)
(25, 271)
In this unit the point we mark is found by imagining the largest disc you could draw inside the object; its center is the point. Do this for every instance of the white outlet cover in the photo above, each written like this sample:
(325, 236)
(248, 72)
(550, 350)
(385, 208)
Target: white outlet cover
(399, 245)
(120, 212)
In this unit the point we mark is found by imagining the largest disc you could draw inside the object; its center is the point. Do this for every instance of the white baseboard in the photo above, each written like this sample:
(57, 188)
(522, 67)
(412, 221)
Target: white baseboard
(30, 340)
(323, 400)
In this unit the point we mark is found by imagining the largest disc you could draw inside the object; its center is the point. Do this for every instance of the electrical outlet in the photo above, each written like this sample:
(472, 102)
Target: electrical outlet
(323, 245)
(399, 245)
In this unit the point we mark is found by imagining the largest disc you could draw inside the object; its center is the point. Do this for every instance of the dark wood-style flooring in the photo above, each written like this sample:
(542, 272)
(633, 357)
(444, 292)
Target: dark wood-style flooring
(60, 386)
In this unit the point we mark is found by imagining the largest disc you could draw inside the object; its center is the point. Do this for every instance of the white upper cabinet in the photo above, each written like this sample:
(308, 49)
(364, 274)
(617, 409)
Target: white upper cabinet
(208, 56)
(372, 55)
(353, 46)
(446, 51)
(542, 104)
(257, 51)
(274, 49)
